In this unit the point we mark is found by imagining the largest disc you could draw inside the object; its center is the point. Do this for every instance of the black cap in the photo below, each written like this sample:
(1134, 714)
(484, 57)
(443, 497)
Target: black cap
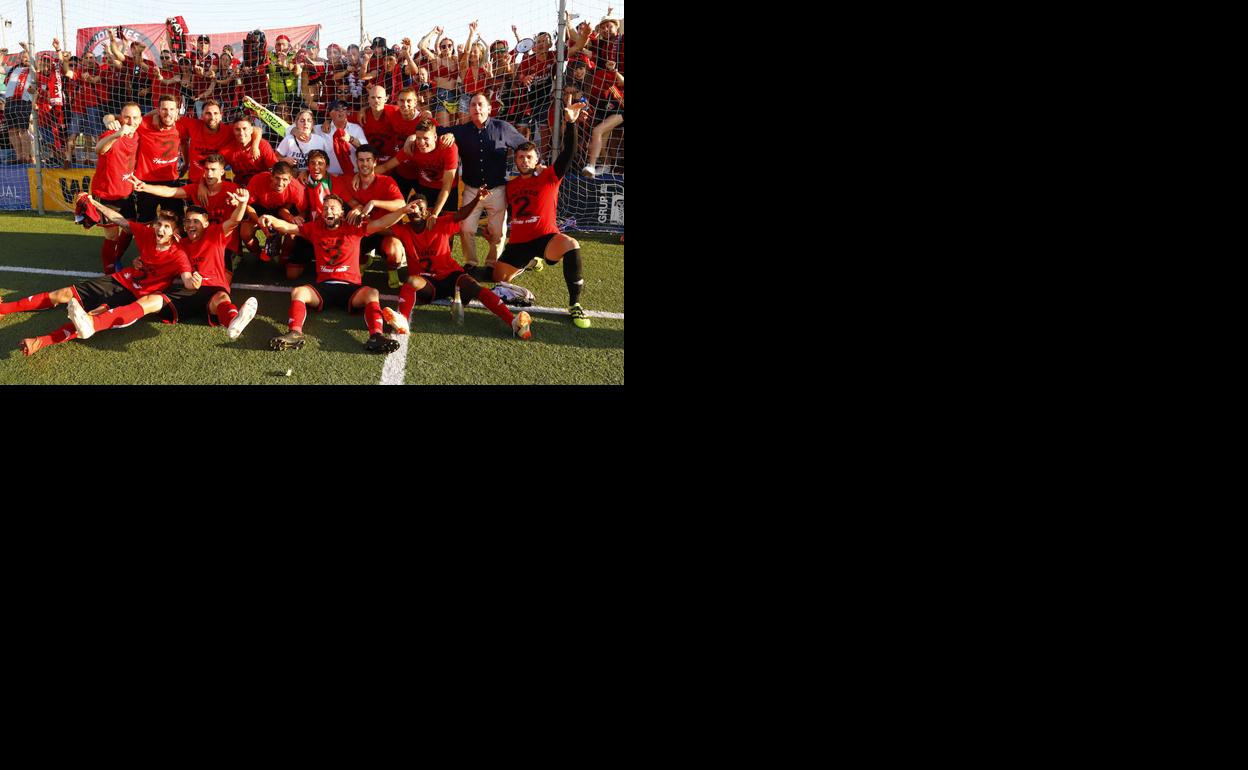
(379, 42)
(204, 39)
(337, 104)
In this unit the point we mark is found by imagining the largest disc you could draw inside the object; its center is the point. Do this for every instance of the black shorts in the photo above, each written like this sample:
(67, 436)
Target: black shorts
(186, 304)
(336, 295)
(17, 113)
(147, 204)
(102, 291)
(409, 187)
(127, 206)
(303, 253)
(446, 287)
(372, 242)
(519, 254)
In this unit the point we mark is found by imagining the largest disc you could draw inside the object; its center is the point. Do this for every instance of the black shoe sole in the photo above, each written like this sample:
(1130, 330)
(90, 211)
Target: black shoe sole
(285, 345)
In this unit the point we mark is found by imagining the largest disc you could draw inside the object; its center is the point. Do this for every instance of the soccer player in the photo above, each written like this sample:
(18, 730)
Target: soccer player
(211, 193)
(157, 161)
(115, 156)
(205, 245)
(202, 137)
(278, 193)
(368, 193)
(425, 167)
(532, 198)
(248, 154)
(338, 278)
(433, 272)
(377, 121)
(160, 260)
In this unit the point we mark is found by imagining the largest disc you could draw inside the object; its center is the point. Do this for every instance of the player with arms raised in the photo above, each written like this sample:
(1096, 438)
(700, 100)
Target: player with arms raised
(532, 198)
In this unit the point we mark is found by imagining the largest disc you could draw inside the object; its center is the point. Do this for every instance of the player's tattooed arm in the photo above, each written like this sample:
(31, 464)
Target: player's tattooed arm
(113, 216)
(160, 191)
(275, 224)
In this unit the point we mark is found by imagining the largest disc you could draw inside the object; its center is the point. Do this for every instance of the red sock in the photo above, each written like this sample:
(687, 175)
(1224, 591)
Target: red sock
(298, 314)
(40, 301)
(496, 306)
(226, 312)
(118, 317)
(108, 255)
(122, 243)
(63, 334)
(372, 317)
(407, 298)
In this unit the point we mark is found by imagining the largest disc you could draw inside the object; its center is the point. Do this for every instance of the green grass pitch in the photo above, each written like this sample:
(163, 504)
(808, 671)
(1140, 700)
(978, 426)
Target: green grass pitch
(482, 351)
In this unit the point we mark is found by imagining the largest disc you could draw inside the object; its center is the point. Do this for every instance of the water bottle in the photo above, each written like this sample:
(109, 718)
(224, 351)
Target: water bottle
(457, 307)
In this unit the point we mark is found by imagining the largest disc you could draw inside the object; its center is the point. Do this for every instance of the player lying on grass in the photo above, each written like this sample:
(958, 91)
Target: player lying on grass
(205, 246)
(532, 198)
(160, 260)
(338, 279)
(434, 273)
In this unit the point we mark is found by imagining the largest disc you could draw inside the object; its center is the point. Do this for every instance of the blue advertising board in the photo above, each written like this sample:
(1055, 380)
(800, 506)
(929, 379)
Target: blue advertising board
(14, 188)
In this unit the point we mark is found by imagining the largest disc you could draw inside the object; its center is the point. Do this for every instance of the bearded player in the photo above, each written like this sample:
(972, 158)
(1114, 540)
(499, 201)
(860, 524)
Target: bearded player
(160, 260)
(532, 198)
(434, 273)
(338, 278)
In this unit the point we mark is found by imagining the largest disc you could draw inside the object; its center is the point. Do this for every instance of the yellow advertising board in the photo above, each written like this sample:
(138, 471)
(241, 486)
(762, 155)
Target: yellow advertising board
(60, 187)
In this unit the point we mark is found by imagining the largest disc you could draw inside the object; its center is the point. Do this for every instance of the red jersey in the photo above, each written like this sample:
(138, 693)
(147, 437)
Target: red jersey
(337, 250)
(219, 207)
(158, 153)
(400, 129)
(532, 202)
(107, 183)
(202, 142)
(429, 251)
(380, 131)
(207, 256)
(159, 267)
(263, 194)
(241, 162)
(383, 188)
(427, 168)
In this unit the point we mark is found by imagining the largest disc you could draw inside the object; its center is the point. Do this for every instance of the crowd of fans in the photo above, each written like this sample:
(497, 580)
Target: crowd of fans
(72, 94)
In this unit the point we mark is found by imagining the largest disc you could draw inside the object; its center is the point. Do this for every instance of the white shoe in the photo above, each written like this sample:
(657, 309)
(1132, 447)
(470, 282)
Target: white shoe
(394, 319)
(245, 314)
(588, 171)
(84, 323)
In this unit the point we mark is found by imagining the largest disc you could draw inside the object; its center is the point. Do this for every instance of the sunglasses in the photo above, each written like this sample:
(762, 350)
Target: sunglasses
(446, 47)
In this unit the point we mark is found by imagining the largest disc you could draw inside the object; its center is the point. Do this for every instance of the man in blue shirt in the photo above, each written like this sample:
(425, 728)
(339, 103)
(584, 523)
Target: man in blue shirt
(483, 144)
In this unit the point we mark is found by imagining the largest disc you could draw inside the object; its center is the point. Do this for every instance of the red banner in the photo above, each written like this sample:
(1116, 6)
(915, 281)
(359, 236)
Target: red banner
(154, 37)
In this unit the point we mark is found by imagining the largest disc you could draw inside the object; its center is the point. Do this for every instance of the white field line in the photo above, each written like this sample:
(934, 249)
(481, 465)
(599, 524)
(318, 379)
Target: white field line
(395, 370)
(286, 290)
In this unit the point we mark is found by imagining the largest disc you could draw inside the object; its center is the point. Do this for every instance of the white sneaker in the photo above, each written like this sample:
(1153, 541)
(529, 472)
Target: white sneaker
(588, 171)
(394, 319)
(245, 314)
(84, 323)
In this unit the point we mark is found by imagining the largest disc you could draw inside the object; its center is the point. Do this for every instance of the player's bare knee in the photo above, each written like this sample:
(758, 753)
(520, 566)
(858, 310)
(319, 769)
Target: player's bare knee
(301, 294)
(371, 295)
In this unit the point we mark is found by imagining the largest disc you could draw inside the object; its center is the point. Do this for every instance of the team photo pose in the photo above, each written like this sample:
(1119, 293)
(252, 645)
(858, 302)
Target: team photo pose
(338, 277)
